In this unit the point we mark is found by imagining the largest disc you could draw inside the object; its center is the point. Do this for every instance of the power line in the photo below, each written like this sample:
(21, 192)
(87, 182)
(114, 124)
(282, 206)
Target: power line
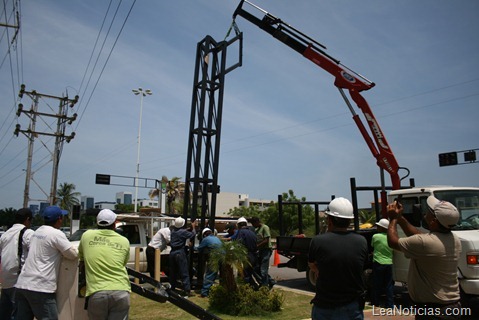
(106, 62)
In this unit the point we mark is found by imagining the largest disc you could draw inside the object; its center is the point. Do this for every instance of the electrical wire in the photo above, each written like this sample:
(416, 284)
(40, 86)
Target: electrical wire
(105, 64)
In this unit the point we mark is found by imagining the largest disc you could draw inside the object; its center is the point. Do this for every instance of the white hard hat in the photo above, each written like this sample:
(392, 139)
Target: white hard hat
(383, 223)
(205, 230)
(179, 222)
(341, 208)
(242, 219)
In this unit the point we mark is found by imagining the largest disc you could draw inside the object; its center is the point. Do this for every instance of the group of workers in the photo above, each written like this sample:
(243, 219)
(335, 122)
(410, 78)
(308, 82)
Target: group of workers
(31, 261)
(338, 257)
(255, 237)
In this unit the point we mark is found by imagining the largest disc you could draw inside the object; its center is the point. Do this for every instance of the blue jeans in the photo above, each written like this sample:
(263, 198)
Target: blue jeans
(7, 304)
(349, 311)
(383, 283)
(208, 281)
(111, 305)
(263, 261)
(40, 305)
(178, 268)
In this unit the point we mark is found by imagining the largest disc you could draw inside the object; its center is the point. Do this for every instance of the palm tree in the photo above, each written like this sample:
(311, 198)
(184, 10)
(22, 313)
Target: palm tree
(367, 218)
(67, 197)
(230, 256)
(175, 189)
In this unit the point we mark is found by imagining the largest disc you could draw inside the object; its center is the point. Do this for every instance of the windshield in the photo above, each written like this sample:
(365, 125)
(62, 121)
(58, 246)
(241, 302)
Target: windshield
(467, 202)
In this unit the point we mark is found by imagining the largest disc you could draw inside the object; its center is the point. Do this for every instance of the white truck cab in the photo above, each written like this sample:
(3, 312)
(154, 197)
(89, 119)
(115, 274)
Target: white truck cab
(466, 200)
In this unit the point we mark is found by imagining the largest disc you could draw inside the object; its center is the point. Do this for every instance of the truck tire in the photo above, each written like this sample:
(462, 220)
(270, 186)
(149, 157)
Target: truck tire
(310, 279)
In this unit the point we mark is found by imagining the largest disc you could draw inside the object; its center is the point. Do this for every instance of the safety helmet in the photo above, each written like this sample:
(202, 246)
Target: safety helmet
(205, 230)
(341, 208)
(179, 222)
(383, 223)
(242, 219)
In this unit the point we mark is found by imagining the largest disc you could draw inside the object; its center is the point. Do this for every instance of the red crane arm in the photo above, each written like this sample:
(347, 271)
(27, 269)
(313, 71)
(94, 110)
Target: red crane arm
(345, 78)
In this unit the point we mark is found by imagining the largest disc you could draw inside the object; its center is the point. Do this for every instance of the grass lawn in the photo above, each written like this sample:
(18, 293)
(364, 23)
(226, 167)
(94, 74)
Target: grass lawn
(295, 307)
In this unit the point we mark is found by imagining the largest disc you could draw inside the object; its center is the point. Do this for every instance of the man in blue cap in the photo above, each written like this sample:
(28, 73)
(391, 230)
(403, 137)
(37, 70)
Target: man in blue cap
(37, 283)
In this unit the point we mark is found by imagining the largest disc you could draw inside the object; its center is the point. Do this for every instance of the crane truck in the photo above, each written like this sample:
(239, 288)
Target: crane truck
(465, 199)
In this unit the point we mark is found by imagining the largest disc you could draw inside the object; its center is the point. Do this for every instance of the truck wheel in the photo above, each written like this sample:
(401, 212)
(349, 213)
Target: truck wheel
(310, 279)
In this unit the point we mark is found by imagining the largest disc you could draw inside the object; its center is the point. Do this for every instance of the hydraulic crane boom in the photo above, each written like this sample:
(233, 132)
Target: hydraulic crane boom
(344, 79)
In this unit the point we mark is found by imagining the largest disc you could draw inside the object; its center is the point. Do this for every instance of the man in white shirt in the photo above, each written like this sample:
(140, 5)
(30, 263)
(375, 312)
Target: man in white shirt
(14, 246)
(37, 283)
(160, 240)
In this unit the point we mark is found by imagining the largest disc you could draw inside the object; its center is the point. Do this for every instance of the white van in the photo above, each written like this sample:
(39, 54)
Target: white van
(466, 200)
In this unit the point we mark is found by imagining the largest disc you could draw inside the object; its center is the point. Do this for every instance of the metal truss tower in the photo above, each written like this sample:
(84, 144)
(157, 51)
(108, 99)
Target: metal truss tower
(205, 127)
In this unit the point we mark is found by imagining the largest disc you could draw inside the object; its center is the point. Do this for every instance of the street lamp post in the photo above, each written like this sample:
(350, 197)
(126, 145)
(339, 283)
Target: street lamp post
(142, 94)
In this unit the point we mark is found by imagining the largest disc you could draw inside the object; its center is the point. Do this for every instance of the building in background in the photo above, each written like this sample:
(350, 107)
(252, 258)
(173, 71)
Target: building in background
(225, 201)
(147, 203)
(87, 202)
(35, 209)
(43, 205)
(105, 205)
(124, 198)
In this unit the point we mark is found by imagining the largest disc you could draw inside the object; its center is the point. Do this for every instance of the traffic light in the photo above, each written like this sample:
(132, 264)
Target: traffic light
(470, 156)
(102, 178)
(447, 159)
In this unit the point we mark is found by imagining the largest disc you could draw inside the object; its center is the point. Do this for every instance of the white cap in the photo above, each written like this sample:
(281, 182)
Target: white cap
(205, 230)
(341, 208)
(179, 222)
(383, 223)
(242, 219)
(105, 218)
(445, 212)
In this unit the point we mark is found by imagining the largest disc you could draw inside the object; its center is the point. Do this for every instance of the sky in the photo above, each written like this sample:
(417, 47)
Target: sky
(285, 125)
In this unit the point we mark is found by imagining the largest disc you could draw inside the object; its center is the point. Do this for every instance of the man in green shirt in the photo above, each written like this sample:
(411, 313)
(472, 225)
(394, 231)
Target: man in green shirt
(382, 266)
(263, 236)
(104, 254)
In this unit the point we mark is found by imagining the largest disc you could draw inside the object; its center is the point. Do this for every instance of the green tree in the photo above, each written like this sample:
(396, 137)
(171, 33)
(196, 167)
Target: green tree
(174, 188)
(67, 197)
(367, 216)
(125, 207)
(270, 216)
(238, 298)
(7, 217)
(252, 211)
(231, 255)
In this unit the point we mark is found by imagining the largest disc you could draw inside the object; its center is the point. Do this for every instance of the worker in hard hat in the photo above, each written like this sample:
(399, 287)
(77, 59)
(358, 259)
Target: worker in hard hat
(248, 238)
(337, 258)
(208, 242)
(382, 266)
(178, 260)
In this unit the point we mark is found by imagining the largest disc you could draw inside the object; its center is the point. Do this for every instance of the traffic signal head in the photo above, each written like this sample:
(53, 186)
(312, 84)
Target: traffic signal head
(447, 159)
(470, 156)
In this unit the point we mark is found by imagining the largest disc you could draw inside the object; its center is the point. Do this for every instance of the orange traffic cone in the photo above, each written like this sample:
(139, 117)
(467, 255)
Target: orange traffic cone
(276, 258)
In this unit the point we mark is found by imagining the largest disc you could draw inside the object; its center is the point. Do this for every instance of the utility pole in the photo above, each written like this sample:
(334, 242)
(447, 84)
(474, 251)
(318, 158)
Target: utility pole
(31, 133)
(15, 26)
